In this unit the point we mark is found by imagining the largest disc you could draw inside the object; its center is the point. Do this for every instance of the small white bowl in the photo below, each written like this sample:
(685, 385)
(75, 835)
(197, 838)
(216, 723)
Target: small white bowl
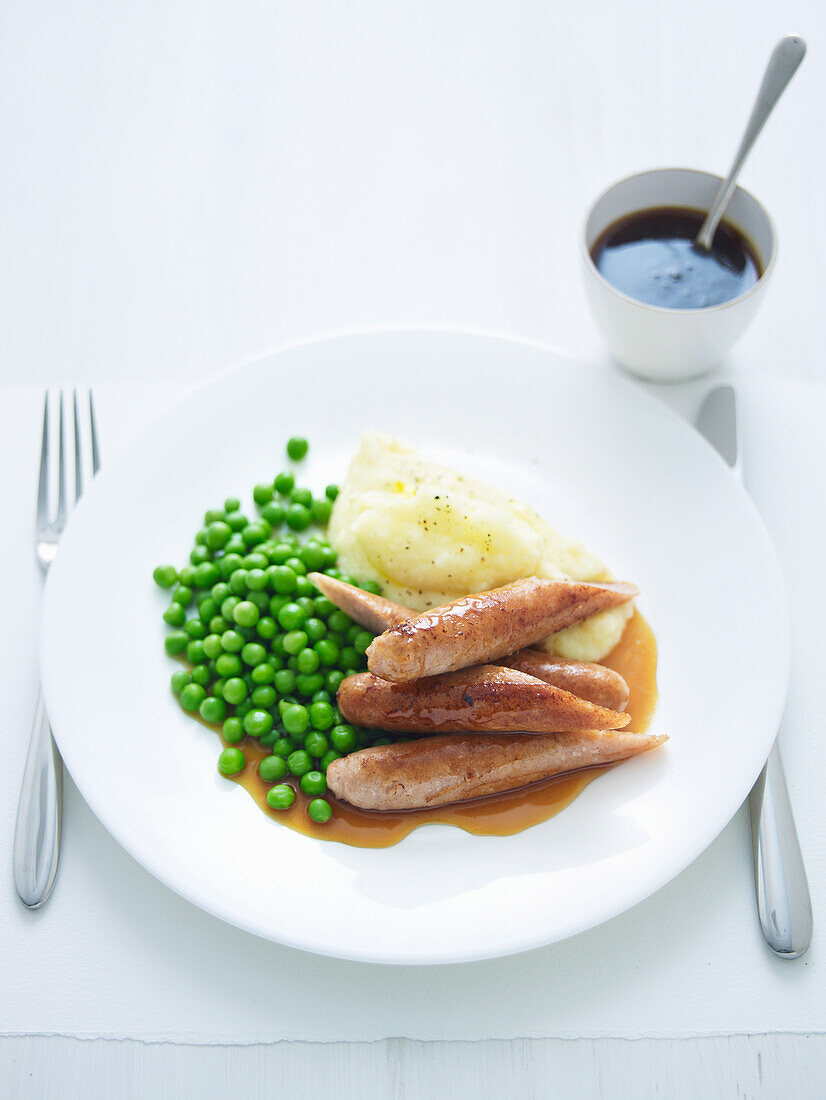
(672, 345)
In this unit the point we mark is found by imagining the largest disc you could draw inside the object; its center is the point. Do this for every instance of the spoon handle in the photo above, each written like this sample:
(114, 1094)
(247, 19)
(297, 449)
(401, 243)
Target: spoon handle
(783, 64)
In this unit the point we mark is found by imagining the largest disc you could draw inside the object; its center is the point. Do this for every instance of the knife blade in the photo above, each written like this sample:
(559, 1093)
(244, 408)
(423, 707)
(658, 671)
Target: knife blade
(781, 888)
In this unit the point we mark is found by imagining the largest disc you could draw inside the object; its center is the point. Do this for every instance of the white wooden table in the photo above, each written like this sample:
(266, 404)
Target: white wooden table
(187, 185)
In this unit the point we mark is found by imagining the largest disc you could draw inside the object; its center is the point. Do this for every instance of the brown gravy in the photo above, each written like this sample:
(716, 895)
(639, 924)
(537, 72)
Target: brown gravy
(635, 658)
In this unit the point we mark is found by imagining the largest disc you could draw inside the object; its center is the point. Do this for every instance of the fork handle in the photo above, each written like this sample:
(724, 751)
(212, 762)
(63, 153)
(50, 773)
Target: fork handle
(783, 900)
(37, 831)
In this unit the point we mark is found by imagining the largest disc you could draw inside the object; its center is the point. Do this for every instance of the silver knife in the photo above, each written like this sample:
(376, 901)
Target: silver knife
(783, 900)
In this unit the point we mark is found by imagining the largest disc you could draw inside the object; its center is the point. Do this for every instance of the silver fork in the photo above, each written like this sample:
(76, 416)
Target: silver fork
(37, 831)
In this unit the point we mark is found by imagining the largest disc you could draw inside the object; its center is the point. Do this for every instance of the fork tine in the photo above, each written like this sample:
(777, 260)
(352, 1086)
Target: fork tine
(95, 453)
(78, 470)
(43, 480)
(61, 472)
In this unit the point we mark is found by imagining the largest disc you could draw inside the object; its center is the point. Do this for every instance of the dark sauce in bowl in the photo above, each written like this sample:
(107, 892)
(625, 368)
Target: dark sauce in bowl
(650, 256)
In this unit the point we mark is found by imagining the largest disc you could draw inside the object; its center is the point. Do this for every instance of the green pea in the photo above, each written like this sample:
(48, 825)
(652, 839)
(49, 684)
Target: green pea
(321, 510)
(218, 688)
(232, 504)
(231, 762)
(327, 651)
(330, 556)
(331, 492)
(291, 616)
(198, 554)
(213, 710)
(308, 683)
(294, 641)
(284, 483)
(299, 762)
(324, 607)
(295, 719)
(182, 595)
(218, 624)
(228, 664)
(192, 696)
(166, 576)
(349, 658)
(214, 515)
(180, 678)
(200, 675)
(302, 496)
(327, 759)
(320, 810)
(298, 517)
(255, 533)
(333, 679)
(228, 606)
(280, 552)
(306, 605)
(232, 641)
(212, 647)
(312, 555)
(263, 673)
(236, 545)
(284, 681)
(321, 716)
(316, 744)
(253, 654)
(280, 797)
(257, 580)
(176, 642)
(305, 587)
(174, 615)
(339, 622)
(313, 783)
(272, 768)
(235, 690)
(263, 695)
(262, 494)
(362, 640)
(297, 565)
(237, 521)
(206, 574)
(370, 586)
(283, 579)
(207, 608)
(257, 723)
(229, 563)
(238, 582)
(297, 447)
(314, 628)
(273, 513)
(307, 660)
(195, 629)
(343, 738)
(266, 627)
(233, 730)
(186, 576)
(283, 746)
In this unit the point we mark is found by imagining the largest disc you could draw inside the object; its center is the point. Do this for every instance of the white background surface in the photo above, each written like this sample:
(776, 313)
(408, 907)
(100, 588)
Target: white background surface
(187, 185)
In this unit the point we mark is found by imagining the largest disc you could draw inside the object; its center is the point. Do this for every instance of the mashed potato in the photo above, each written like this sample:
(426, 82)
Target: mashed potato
(428, 535)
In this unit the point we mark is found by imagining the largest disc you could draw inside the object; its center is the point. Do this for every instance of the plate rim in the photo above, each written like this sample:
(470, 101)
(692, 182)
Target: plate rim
(628, 898)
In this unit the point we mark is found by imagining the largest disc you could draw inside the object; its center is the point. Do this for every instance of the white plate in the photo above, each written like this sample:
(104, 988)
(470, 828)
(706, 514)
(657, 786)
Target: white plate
(592, 453)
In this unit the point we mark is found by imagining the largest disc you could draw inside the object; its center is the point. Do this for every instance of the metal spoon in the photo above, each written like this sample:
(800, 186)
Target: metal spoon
(783, 64)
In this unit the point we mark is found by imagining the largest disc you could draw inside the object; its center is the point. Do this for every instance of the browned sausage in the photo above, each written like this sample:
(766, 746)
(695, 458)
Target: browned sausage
(481, 628)
(590, 681)
(375, 613)
(434, 771)
(485, 699)
(595, 683)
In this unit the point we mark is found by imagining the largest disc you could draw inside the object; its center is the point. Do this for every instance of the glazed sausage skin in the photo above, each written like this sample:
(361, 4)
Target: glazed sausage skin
(435, 771)
(484, 699)
(480, 628)
(596, 683)
(589, 681)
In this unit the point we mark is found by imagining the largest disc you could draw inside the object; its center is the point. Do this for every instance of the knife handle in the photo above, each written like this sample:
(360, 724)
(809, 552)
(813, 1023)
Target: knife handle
(783, 900)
